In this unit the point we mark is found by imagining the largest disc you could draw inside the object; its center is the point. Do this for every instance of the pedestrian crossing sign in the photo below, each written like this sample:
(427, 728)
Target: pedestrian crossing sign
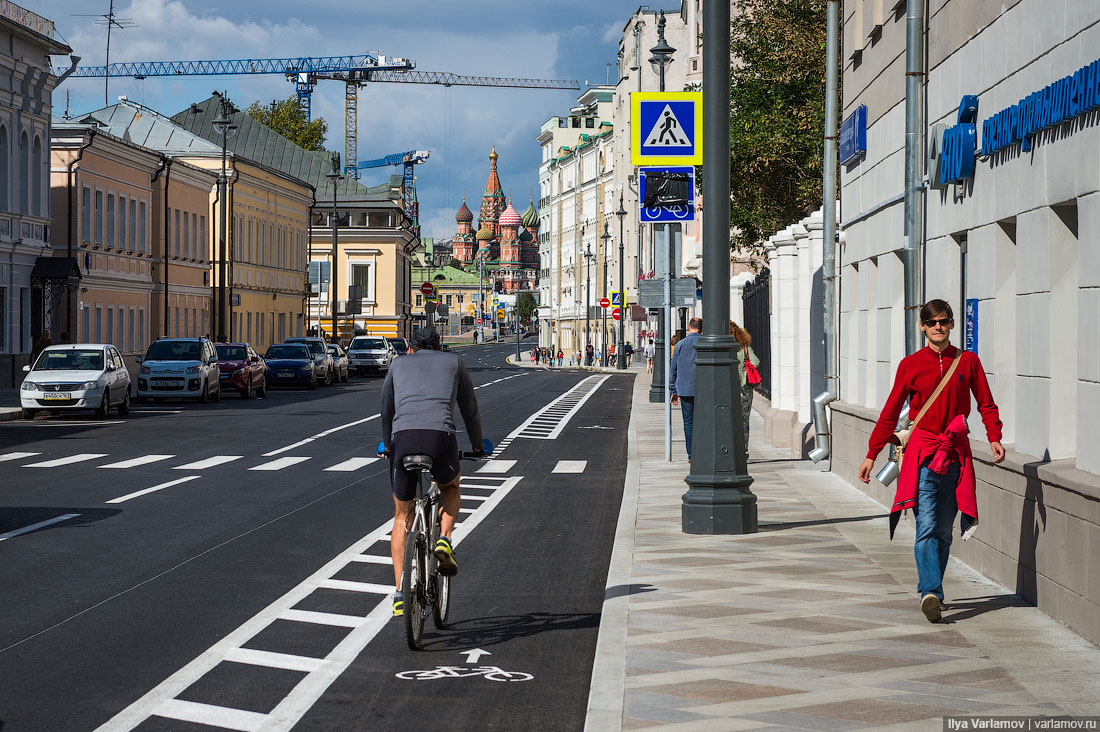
(666, 128)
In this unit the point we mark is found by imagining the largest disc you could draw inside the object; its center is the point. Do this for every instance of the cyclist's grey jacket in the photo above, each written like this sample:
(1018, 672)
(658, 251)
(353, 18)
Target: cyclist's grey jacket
(420, 392)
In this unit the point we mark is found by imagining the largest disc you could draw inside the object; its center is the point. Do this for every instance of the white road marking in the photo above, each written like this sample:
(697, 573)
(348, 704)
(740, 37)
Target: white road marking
(319, 435)
(571, 401)
(133, 463)
(39, 525)
(473, 655)
(465, 510)
(269, 659)
(372, 559)
(79, 458)
(169, 484)
(570, 466)
(352, 464)
(280, 463)
(334, 584)
(209, 714)
(17, 456)
(209, 462)
(497, 466)
(316, 618)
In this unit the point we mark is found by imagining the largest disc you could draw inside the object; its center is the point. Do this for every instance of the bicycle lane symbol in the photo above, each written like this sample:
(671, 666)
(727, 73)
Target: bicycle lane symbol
(492, 673)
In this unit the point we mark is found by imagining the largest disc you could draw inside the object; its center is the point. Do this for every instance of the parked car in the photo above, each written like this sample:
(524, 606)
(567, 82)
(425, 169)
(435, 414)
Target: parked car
(400, 345)
(242, 369)
(291, 364)
(76, 376)
(339, 361)
(179, 367)
(319, 349)
(370, 353)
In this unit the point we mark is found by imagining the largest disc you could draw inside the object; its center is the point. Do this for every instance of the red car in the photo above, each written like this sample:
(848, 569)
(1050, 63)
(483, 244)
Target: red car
(242, 369)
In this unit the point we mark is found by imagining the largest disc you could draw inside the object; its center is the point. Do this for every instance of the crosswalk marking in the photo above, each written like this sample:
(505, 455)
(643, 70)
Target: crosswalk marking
(17, 455)
(497, 466)
(371, 559)
(270, 659)
(570, 466)
(335, 584)
(209, 462)
(280, 463)
(352, 464)
(169, 484)
(134, 462)
(79, 458)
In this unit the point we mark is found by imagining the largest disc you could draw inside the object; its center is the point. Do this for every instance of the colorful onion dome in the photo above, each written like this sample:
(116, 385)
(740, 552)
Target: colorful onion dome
(493, 155)
(510, 217)
(484, 233)
(464, 216)
(531, 216)
(525, 236)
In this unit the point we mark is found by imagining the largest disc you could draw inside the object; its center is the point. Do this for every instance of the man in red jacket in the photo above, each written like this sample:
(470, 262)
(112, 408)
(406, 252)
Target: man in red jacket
(937, 474)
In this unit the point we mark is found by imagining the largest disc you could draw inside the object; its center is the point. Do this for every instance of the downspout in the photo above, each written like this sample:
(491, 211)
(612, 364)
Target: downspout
(165, 166)
(69, 253)
(823, 435)
(914, 158)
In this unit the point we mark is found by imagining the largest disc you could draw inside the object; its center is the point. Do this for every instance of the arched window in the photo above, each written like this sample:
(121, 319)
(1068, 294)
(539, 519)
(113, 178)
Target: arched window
(24, 176)
(36, 177)
(5, 172)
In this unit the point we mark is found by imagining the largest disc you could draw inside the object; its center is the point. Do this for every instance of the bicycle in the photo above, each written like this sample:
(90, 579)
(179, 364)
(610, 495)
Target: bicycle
(423, 587)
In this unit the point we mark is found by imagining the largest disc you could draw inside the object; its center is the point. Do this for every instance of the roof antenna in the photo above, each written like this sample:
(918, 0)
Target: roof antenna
(111, 21)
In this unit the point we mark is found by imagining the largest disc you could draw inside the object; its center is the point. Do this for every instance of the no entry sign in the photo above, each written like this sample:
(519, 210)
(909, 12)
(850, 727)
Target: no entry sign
(604, 302)
(427, 288)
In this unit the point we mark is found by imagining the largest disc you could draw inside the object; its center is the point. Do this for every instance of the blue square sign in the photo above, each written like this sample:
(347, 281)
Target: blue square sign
(666, 128)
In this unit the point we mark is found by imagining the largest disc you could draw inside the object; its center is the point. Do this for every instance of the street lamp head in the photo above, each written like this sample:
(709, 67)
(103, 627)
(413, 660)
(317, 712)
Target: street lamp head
(606, 237)
(662, 52)
(621, 213)
(335, 174)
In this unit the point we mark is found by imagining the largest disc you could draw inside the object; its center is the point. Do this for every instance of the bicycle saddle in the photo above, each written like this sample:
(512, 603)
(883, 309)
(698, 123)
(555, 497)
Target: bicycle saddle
(417, 462)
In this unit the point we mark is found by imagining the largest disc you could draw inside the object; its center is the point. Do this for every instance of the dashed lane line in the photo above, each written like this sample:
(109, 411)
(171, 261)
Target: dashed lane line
(154, 489)
(280, 463)
(135, 462)
(78, 458)
(209, 462)
(351, 464)
(17, 456)
(570, 466)
(34, 527)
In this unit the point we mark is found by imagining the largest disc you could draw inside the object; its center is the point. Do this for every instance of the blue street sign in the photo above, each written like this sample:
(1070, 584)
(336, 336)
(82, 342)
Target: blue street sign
(972, 325)
(616, 299)
(666, 214)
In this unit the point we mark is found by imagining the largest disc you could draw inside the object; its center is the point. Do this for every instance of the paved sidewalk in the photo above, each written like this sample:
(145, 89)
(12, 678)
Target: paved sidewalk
(9, 405)
(810, 624)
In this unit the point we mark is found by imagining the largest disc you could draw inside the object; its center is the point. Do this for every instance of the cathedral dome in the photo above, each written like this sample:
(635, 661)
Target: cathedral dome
(484, 233)
(525, 236)
(510, 217)
(531, 216)
(464, 216)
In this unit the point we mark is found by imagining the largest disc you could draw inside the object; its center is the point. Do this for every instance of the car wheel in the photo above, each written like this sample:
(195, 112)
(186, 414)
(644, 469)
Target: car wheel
(262, 390)
(124, 407)
(312, 383)
(246, 392)
(329, 379)
(29, 413)
(204, 393)
(104, 405)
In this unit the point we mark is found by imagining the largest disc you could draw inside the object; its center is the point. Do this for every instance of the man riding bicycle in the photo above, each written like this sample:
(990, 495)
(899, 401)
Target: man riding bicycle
(418, 401)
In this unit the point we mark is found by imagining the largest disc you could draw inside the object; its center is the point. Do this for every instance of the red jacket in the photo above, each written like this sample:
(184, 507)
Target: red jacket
(917, 377)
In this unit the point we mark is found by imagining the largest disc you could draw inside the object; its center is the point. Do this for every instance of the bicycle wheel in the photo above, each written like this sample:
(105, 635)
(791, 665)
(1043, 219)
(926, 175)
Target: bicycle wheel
(412, 587)
(441, 608)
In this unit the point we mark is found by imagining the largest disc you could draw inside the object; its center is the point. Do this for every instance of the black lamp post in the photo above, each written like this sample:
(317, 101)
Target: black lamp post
(661, 58)
(588, 257)
(620, 355)
(718, 500)
(223, 125)
(335, 176)
(606, 239)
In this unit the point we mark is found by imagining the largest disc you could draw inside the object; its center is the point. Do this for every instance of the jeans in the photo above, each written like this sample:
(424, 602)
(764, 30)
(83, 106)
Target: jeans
(687, 409)
(936, 509)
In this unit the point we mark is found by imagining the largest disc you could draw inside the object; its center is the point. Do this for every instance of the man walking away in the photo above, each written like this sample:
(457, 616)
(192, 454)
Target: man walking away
(682, 378)
(937, 472)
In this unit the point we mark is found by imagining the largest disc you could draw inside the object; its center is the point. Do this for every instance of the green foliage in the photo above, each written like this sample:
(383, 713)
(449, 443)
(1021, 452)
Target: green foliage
(777, 101)
(287, 118)
(525, 305)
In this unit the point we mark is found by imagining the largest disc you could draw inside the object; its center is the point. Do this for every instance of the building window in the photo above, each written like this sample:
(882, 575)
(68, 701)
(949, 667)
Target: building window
(85, 324)
(131, 342)
(110, 220)
(141, 227)
(24, 173)
(85, 213)
(195, 236)
(36, 176)
(98, 323)
(186, 237)
(450, 300)
(419, 300)
(461, 298)
(99, 218)
(121, 223)
(176, 245)
(141, 330)
(133, 224)
(5, 174)
(202, 239)
(110, 325)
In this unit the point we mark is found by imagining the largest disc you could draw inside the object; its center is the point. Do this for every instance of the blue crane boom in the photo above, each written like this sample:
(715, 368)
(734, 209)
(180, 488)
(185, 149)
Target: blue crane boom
(407, 159)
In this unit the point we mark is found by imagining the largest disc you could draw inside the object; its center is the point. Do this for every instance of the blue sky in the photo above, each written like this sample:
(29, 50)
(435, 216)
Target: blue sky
(565, 39)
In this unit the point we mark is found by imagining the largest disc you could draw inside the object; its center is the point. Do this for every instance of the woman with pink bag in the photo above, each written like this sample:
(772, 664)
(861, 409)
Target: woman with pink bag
(747, 363)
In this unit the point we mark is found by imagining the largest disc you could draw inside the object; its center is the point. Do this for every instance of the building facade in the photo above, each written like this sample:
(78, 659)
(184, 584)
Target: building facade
(27, 40)
(1012, 212)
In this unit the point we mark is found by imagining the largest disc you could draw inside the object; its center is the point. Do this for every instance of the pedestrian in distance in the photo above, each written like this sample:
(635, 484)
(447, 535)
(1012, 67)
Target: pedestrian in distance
(937, 472)
(561, 358)
(744, 353)
(599, 359)
(589, 352)
(647, 351)
(681, 379)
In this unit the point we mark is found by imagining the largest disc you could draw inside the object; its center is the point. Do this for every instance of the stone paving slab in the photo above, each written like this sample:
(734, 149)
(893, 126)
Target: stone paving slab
(812, 623)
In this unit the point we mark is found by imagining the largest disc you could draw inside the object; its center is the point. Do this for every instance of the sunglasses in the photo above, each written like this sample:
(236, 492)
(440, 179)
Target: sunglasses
(938, 321)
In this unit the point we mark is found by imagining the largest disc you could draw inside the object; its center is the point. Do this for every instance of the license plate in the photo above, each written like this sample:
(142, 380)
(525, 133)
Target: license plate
(286, 376)
(56, 395)
(166, 383)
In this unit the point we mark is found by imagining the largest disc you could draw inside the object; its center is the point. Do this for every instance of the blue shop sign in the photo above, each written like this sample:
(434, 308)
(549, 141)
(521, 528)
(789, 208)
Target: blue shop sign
(972, 325)
(959, 144)
(853, 135)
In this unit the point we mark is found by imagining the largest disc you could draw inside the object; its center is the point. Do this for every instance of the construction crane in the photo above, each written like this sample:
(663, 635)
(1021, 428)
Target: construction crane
(306, 71)
(408, 159)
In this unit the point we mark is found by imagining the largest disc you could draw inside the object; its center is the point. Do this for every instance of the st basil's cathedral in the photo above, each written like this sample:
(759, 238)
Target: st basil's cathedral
(505, 243)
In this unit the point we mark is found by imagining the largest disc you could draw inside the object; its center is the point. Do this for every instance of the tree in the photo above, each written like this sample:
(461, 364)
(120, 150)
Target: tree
(288, 119)
(777, 108)
(526, 305)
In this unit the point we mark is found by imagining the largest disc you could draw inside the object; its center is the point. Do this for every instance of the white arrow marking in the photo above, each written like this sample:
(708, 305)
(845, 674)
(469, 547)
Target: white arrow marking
(472, 656)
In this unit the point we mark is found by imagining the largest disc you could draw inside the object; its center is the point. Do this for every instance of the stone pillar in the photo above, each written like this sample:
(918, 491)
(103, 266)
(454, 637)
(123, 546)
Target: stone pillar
(785, 348)
(737, 296)
(804, 286)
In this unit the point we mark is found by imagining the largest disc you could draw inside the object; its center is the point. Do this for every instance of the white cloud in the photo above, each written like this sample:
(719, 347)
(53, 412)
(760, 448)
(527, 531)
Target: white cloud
(613, 33)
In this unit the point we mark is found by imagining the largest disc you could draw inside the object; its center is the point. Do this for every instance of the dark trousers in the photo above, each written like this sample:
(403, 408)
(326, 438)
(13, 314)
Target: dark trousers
(687, 409)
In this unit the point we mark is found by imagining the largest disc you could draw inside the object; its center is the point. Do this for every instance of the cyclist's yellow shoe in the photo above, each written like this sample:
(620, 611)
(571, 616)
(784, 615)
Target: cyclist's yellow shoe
(445, 555)
(398, 605)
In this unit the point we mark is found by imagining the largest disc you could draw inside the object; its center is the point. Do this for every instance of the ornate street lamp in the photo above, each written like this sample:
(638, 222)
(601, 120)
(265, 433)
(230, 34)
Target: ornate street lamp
(588, 257)
(662, 52)
(620, 355)
(606, 239)
(223, 125)
(334, 176)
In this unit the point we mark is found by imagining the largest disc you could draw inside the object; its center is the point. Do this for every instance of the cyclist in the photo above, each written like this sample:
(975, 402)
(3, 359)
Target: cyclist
(418, 401)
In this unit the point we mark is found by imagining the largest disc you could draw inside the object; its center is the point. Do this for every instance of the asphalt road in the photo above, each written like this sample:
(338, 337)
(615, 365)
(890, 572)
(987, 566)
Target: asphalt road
(226, 565)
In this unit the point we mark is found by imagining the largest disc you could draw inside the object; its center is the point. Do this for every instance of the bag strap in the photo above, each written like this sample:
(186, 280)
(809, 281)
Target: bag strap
(939, 388)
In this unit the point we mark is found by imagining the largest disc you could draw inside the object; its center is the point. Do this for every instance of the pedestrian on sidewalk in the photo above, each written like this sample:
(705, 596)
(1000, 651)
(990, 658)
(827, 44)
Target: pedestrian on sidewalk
(589, 352)
(599, 359)
(744, 353)
(561, 358)
(937, 472)
(681, 379)
(647, 351)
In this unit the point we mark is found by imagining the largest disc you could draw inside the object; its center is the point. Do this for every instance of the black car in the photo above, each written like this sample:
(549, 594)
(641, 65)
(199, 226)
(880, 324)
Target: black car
(400, 345)
(290, 364)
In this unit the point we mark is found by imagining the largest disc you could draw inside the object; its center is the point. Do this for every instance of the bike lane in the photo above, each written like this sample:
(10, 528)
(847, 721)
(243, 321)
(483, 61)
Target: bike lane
(525, 606)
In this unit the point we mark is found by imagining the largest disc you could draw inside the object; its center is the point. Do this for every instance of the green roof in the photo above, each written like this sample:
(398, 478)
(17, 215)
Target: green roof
(451, 275)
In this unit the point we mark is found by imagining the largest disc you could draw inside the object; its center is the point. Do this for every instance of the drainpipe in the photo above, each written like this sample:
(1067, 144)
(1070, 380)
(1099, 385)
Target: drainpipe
(914, 158)
(88, 137)
(823, 437)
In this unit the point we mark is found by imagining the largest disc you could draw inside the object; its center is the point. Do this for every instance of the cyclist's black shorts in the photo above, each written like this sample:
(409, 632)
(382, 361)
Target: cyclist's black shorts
(443, 448)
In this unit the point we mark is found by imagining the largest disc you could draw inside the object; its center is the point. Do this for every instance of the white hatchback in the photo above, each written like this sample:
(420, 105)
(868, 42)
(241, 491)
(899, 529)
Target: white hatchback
(76, 376)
